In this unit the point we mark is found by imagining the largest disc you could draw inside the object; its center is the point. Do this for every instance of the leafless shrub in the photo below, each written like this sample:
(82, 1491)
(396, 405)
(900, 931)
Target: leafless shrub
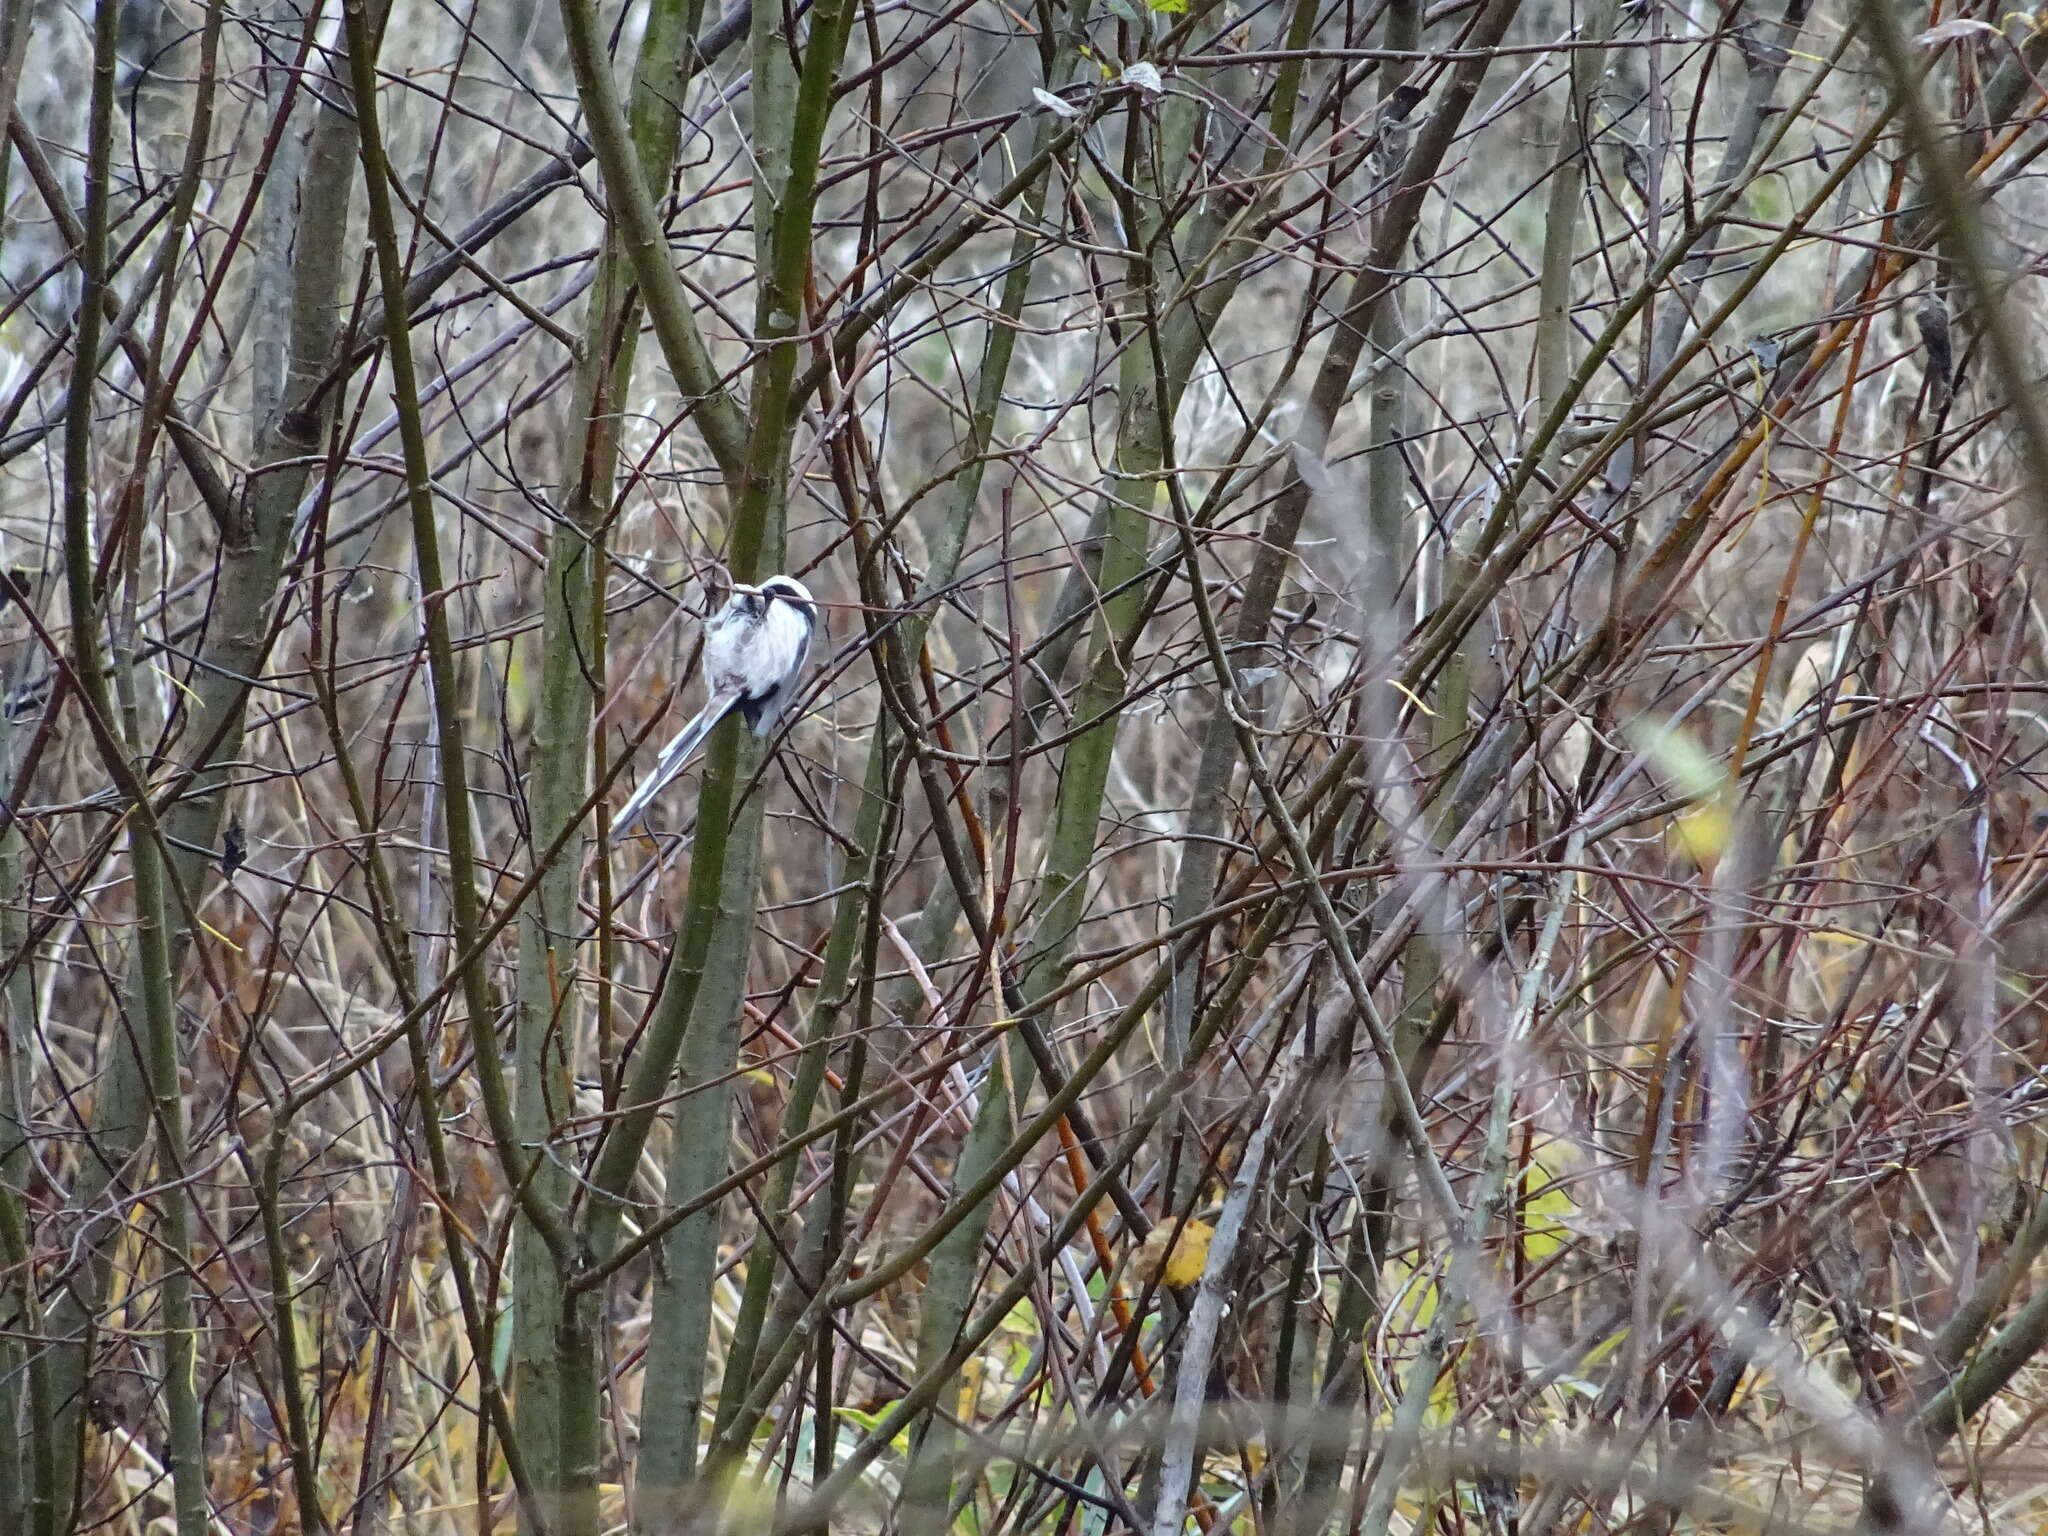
(1404, 895)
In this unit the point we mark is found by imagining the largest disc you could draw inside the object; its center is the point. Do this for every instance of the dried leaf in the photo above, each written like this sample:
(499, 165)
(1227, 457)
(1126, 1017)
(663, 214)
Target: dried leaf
(1954, 29)
(1144, 77)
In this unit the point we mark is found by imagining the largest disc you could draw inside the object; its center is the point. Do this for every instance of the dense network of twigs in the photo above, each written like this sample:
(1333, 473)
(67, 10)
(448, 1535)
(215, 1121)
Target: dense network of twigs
(1405, 894)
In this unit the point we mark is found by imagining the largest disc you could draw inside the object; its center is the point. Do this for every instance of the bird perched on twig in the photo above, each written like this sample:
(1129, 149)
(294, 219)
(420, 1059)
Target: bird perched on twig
(754, 651)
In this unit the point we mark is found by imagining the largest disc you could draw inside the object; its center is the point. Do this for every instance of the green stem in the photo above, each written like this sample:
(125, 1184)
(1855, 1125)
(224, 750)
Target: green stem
(550, 1364)
(637, 228)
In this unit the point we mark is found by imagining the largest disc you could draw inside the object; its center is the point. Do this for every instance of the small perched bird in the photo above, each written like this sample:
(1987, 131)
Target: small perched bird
(754, 650)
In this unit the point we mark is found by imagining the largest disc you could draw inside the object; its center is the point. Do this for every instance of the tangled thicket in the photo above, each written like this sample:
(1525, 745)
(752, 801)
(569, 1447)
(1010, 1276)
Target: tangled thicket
(1404, 896)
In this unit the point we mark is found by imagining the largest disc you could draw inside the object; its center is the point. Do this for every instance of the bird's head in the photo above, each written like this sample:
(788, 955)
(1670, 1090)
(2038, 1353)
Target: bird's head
(787, 589)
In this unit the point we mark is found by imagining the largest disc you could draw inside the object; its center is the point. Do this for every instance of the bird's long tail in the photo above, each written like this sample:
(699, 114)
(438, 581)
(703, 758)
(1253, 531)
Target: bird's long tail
(675, 757)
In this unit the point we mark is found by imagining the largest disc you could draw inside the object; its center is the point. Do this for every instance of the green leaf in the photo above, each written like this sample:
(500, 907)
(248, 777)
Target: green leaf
(1545, 1210)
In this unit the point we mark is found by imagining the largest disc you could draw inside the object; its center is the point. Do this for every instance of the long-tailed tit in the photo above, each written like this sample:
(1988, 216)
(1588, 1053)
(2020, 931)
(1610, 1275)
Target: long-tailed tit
(754, 650)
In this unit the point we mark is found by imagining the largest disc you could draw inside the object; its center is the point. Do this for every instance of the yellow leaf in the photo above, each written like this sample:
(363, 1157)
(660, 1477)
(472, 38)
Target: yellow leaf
(1190, 1254)
(1546, 1209)
(1183, 1264)
(970, 1388)
(1443, 1402)
(1411, 1296)
(1701, 831)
